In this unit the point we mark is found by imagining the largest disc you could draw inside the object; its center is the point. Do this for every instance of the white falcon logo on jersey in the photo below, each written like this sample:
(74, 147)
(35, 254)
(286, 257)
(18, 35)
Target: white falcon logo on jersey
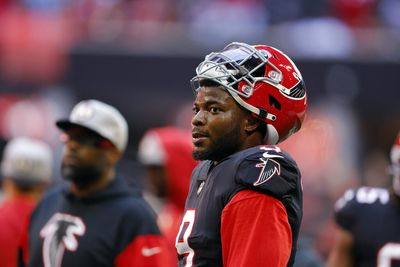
(60, 233)
(269, 168)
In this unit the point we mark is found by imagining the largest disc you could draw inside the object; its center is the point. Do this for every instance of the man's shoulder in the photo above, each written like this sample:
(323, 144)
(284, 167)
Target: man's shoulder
(267, 169)
(361, 205)
(132, 202)
(362, 198)
(265, 151)
(133, 211)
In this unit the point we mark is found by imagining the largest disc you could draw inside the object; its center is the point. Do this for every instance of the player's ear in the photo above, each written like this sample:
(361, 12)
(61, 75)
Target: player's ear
(113, 155)
(251, 124)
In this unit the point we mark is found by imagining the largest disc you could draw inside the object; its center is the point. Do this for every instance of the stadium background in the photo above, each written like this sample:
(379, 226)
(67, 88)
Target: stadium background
(139, 56)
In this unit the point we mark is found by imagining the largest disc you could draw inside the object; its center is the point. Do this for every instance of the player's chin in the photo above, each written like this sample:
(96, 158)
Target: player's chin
(199, 153)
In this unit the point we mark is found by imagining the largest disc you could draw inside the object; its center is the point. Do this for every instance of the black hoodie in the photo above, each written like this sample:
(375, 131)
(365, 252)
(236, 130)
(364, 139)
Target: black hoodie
(111, 227)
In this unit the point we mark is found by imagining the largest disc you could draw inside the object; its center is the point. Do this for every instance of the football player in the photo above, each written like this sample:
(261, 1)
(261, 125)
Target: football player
(244, 205)
(368, 220)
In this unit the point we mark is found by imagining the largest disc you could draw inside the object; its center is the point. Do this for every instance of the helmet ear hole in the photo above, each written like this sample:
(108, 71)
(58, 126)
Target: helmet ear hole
(273, 102)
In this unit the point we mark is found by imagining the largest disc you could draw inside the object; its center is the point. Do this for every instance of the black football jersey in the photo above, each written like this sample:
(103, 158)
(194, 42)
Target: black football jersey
(374, 221)
(265, 169)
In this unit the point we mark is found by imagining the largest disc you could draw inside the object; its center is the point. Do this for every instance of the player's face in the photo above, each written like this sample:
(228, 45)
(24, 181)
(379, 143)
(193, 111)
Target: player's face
(217, 124)
(85, 159)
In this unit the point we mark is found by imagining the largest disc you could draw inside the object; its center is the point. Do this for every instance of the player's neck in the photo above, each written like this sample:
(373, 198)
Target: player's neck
(95, 186)
(251, 141)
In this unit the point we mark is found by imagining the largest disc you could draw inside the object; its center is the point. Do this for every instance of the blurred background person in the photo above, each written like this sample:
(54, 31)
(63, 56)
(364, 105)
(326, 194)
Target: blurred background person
(26, 173)
(95, 219)
(166, 153)
(368, 222)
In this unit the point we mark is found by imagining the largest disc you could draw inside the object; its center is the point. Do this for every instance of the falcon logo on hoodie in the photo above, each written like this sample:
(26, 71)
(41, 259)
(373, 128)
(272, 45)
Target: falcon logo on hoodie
(60, 233)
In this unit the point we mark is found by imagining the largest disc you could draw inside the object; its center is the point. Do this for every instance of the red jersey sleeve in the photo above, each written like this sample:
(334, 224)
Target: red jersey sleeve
(255, 231)
(146, 251)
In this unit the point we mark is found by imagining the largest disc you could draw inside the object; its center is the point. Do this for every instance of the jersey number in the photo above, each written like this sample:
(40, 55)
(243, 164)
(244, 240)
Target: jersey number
(387, 253)
(181, 243)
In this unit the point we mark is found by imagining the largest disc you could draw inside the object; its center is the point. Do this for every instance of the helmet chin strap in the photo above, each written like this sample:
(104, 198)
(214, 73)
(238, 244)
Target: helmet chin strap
(251, 108)
(272, 136)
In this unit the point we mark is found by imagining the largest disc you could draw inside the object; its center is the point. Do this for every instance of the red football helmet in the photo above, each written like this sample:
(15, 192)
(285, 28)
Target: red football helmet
(395, 164)
(263, 80)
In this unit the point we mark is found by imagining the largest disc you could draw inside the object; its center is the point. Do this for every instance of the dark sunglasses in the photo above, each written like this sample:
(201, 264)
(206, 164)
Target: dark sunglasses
(86, 138)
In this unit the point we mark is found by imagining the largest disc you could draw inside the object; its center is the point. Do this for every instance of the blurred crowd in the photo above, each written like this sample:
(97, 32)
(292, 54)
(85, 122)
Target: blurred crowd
(363, 26)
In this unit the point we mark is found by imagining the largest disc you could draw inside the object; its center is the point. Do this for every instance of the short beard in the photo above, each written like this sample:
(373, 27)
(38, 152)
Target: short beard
(221, 147)
(82, 176)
